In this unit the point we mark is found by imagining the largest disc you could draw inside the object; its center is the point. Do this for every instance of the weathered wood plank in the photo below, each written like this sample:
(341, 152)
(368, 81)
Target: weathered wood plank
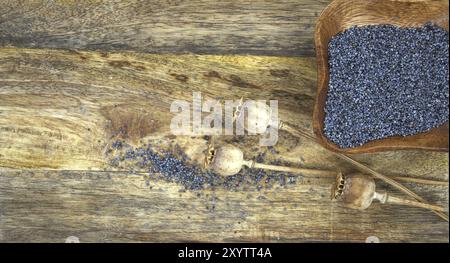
(163, 26)
(49, 206)
(80, 102)
(63, 110)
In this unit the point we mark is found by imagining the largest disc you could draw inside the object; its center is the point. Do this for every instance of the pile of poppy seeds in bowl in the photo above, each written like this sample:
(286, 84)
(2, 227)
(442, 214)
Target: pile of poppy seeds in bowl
(386, 81)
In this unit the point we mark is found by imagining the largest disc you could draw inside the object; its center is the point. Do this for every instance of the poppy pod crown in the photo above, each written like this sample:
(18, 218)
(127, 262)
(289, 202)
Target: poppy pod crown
(354, 191)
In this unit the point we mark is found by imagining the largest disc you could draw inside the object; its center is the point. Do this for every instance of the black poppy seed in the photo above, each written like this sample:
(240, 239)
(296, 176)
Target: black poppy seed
(291, 180)
(272, 150)
(117, 145)
(260, 157)
(115, 161)
(282, 180)
(130, 154)
(386, 81)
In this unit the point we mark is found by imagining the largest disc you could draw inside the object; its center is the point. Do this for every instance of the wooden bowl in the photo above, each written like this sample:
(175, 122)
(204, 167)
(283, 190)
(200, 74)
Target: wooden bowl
(343, 14)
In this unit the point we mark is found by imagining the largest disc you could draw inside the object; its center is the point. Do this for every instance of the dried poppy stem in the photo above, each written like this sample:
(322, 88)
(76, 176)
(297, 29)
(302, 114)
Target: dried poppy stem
(385, 198)
(332, 174)
(357, 191)
(420, 181)
(312, 172)
(365, 168)
(265, 120)
(228, 160)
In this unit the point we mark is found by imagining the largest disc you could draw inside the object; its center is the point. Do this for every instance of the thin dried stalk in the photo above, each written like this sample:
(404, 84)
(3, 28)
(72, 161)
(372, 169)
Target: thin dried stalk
(364, 168)
(420, 181)
(304, 171)
(400, 201)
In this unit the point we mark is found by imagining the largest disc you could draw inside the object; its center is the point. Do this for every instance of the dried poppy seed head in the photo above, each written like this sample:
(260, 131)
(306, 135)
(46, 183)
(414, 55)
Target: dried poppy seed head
(355, 191)
(226, 160)
(258, 115)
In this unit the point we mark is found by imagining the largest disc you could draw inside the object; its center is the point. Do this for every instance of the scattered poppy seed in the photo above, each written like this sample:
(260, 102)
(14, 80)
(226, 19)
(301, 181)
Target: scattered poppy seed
(173, 166)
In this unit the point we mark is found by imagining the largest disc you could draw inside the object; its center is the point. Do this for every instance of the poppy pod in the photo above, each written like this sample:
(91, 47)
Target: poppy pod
(357, 191)
(354, 191)
(226, 160)
(256, 116)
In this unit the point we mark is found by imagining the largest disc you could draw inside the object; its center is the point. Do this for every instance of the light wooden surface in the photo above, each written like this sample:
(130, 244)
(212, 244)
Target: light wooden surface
(164, 26)
(61, 110)
(49, 206)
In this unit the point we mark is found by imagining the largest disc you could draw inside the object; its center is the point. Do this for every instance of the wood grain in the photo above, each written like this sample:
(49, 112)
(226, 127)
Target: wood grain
(49, 206)
(163, 26)
(60, 112)
(88, 99)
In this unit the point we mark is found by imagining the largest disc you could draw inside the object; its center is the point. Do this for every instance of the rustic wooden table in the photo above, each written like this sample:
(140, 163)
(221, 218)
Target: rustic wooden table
(77, 76)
